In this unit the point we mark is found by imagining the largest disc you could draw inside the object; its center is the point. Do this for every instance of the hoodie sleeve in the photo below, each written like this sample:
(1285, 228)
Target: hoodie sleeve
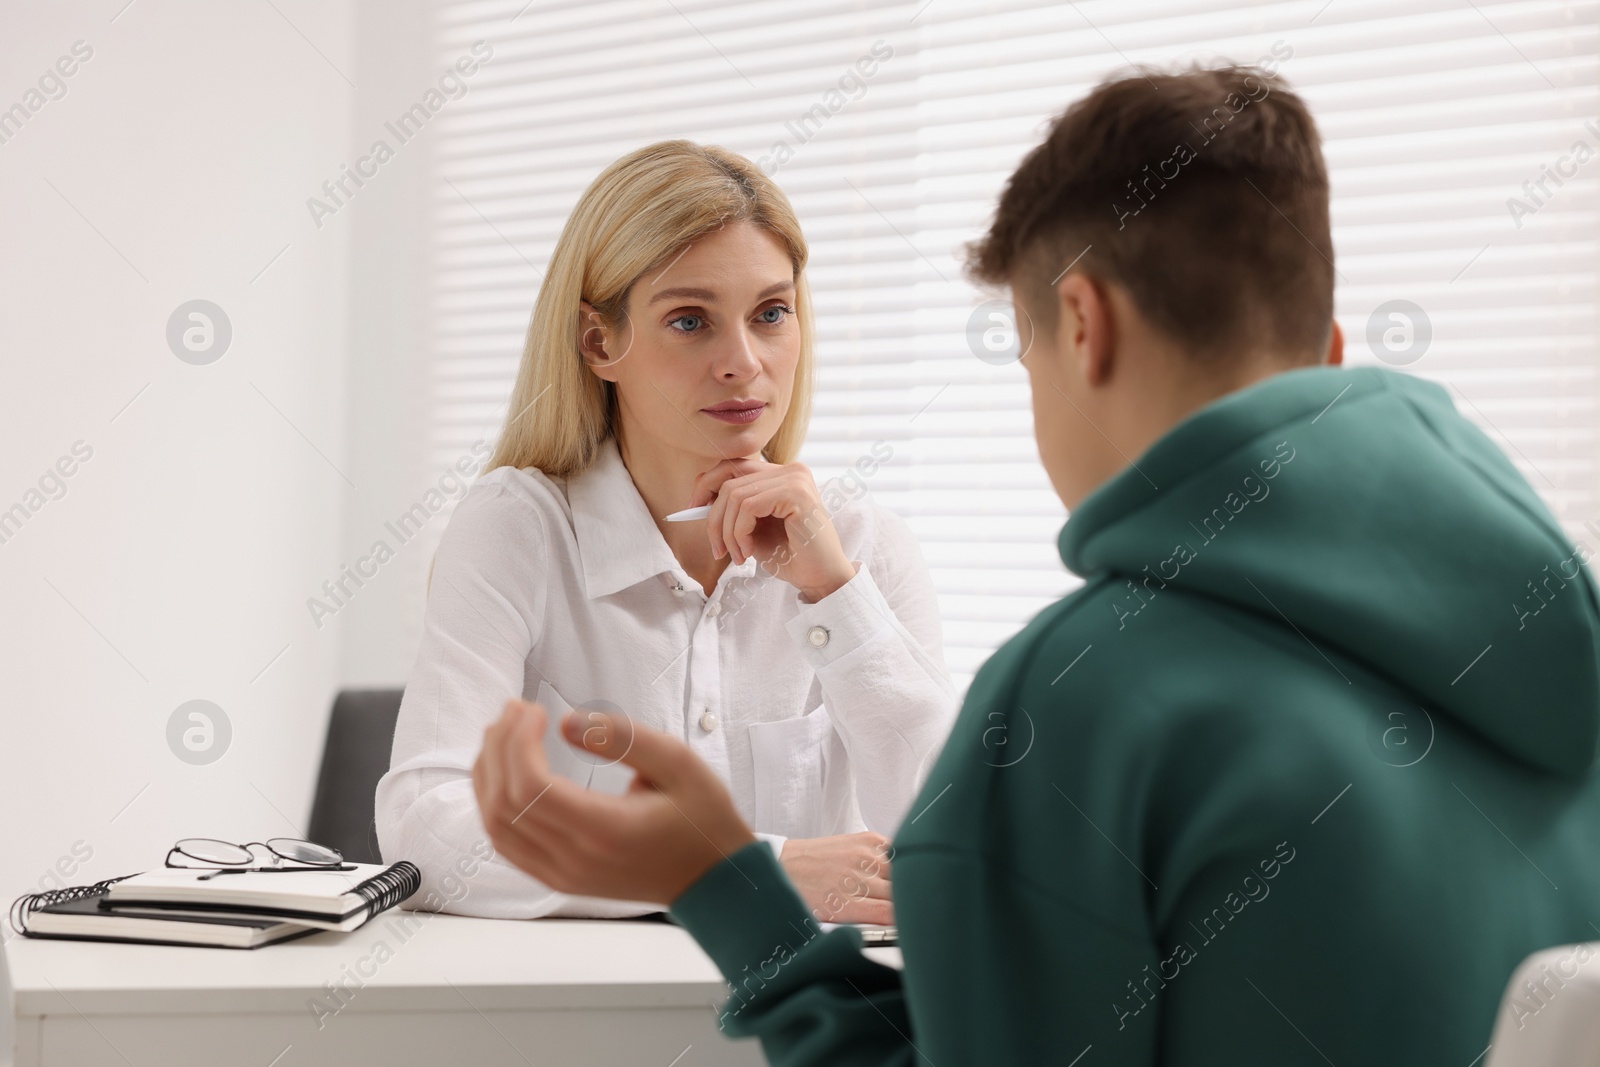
(811, 997)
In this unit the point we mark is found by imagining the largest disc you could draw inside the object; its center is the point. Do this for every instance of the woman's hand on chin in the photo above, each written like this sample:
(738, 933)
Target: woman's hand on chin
(843, 879)
(773, 512)
(675, 822)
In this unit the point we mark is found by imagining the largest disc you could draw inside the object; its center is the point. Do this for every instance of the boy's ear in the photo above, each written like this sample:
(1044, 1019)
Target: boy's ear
(1085, 327)
(1335, 354)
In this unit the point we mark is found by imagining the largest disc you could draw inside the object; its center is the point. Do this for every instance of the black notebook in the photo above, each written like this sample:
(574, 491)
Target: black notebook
(85, 920)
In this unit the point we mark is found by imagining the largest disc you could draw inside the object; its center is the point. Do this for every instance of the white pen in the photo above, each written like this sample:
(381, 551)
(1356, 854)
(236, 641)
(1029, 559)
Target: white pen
(690, 514)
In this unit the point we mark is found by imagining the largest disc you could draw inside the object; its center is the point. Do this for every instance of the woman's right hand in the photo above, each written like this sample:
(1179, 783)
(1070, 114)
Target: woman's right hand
(842, 879)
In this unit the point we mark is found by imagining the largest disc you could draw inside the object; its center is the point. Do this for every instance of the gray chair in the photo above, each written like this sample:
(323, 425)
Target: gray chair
(354, 757)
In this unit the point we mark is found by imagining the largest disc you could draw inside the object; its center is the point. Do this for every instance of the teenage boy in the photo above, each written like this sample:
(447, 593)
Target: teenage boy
(1285, 781)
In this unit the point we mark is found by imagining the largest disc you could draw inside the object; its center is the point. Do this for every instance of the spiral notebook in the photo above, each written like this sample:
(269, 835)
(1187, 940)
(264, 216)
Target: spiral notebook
(84, 919)
(337, 897)
(202, 907)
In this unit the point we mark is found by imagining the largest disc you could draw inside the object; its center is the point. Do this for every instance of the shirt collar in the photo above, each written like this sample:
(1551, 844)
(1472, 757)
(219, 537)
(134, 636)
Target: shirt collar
(618, 542)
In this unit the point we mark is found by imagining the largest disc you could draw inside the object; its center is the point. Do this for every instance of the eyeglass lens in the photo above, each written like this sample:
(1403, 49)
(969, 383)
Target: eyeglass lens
(291, 848)
(228, 854)
(211, 850)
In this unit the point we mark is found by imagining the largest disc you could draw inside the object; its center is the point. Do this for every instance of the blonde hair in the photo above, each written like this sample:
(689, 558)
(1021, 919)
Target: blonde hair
(641, 210)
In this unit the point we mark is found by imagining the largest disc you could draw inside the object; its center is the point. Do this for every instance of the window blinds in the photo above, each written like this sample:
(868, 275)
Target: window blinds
(1452, 132)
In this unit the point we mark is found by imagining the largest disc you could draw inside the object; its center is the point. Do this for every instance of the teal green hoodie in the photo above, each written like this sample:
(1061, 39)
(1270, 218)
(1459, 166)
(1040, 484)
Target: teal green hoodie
(1298, 775)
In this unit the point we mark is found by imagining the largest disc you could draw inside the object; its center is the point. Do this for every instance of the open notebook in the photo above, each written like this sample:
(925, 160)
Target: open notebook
(872, 934)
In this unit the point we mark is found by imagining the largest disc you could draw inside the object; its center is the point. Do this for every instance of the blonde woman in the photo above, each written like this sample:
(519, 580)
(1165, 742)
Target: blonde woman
(792, 641)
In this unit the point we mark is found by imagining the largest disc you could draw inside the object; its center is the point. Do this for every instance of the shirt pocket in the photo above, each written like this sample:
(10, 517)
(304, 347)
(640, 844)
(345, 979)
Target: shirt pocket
(584, 768)
(789, 761)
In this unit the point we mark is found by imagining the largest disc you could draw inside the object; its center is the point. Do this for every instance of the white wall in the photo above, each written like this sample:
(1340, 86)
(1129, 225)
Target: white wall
(388, 422)
(177, 564)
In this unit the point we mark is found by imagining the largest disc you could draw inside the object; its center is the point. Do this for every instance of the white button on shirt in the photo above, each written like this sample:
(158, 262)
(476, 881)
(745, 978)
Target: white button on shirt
(821, 718)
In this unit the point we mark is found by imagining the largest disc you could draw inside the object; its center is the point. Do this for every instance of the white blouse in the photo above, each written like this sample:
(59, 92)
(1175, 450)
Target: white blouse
(821, 718)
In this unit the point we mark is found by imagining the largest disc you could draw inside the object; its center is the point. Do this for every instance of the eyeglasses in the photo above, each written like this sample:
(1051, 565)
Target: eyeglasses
(232, 858)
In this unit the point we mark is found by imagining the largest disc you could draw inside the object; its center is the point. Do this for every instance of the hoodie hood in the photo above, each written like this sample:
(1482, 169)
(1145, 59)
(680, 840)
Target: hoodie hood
(1360, 510)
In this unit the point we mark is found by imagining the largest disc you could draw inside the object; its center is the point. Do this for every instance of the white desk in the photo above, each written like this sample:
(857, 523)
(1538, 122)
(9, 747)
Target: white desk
(482, 992)
(1550, 1013)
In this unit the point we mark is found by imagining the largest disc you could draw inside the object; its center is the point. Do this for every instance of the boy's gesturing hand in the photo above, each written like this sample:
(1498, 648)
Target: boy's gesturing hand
(675, 822)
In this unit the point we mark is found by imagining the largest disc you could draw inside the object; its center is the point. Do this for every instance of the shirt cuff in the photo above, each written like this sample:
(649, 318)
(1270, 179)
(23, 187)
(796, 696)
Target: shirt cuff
(776, 841)
(841, 622)
(745, 913)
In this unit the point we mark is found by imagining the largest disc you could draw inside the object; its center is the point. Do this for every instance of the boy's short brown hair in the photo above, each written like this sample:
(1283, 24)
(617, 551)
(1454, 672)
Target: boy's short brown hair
(1203, 193)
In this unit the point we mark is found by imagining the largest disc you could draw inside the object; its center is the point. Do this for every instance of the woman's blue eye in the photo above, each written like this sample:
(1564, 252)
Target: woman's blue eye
(774, 314)
(692, 320)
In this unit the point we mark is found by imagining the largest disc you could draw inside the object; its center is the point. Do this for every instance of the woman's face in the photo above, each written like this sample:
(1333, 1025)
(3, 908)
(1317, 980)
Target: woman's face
(705, 362)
